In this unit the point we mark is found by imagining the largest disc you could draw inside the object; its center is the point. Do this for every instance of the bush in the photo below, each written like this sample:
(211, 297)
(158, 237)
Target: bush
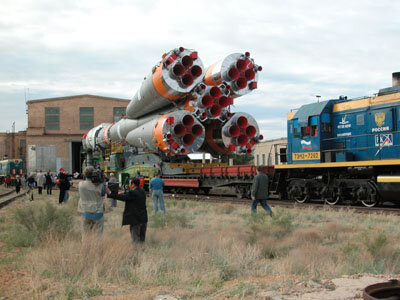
(284, 221)
(34, 224)
(376, 244)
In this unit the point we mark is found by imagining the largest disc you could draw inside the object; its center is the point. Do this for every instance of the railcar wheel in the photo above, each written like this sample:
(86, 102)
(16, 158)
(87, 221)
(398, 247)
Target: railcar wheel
(369, 202)
(301, 199)
(369, 196)
(332, 201)
(206, 191)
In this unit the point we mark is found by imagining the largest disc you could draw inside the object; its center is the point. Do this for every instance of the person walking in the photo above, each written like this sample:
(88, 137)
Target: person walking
(23, 181)
(40, 180)
(90, 203)
(135, 212)
(67, 187)
(18, 184)
(7, 181)
(49, 182)
(156, 192)
(259, 191)
(113, 202)
(31, 186)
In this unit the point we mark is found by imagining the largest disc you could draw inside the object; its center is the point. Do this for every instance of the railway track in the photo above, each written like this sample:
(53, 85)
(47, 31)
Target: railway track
(285, 203)
(9, 196)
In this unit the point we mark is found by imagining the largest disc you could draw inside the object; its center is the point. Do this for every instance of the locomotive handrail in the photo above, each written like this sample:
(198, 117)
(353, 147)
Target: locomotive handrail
(347, 139)
(359, 135)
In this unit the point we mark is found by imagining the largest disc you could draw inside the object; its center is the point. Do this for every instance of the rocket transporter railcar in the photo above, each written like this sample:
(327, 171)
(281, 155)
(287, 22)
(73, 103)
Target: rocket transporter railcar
(344, 150)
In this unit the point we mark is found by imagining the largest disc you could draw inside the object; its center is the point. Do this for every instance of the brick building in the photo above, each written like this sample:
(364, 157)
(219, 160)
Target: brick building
(13, 144)
(55, 129)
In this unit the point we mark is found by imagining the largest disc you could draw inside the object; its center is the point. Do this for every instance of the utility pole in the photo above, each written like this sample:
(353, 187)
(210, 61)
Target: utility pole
(13, 141)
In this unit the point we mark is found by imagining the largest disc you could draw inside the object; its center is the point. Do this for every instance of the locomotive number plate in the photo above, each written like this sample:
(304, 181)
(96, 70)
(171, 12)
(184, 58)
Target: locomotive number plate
(306, 156)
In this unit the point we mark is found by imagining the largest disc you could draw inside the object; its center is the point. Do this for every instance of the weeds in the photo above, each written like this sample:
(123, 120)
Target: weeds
(375, 244)
(171, 219)
(92, 291)
(33, 224)
(283, 220)
(243, 290)
(198, 247)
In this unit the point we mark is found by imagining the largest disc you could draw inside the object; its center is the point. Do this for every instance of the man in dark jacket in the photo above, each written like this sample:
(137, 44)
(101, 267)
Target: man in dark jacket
(63, 185)
(135, 212)
(49, 182)
(259, 191)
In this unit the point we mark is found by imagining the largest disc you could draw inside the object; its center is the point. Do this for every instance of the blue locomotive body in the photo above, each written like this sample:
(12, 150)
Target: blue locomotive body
(11, 167)
(345, 130)
(344, 150)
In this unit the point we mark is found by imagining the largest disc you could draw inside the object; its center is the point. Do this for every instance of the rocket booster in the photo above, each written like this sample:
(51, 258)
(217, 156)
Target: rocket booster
(238, 135)
(176, 132)
(210, 102)
(180, 108)
(174, 77)
(238, 70)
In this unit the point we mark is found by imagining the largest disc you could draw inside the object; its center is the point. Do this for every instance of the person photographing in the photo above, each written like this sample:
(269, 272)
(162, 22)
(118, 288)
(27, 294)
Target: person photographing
(90, 204)
(135, 212)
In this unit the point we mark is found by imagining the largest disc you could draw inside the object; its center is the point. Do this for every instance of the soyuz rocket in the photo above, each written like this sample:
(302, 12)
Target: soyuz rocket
(181, 108)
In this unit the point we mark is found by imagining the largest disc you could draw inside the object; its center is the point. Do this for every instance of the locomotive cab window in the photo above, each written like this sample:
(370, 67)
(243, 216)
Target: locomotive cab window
(309, 131)
(305, 131)
(314, 130)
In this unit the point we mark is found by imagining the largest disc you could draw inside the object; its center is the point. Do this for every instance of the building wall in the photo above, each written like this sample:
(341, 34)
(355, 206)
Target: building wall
(40, 140)
(69, 108)
(13, 145)
(267, 152)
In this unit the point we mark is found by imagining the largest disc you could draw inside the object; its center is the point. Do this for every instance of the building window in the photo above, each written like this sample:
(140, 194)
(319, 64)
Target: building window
(263, 159)
(52, 118)
(22, 146)
(119, 113)
(22, 143)
(86, 117)
(258, 160)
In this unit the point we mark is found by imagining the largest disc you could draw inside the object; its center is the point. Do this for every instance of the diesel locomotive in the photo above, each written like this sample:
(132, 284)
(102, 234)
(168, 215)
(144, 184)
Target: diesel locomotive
(11, 167)
(343, 150)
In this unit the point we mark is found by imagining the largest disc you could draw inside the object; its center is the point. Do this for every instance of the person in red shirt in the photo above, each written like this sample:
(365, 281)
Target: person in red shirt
(7, 181)
(141, 179)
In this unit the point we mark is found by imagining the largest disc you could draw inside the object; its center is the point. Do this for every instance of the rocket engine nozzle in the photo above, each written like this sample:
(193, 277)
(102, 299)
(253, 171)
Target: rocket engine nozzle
(238, 70)
(240, 133)
(178, 73)
(176, 132)
(211, 102)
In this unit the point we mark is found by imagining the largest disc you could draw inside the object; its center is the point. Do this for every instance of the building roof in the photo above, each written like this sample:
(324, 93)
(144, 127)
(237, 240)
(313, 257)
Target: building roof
(76, 96)
(273, 140)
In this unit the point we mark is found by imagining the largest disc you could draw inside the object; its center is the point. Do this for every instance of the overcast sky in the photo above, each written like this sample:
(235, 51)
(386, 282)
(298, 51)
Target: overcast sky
(311, 47)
